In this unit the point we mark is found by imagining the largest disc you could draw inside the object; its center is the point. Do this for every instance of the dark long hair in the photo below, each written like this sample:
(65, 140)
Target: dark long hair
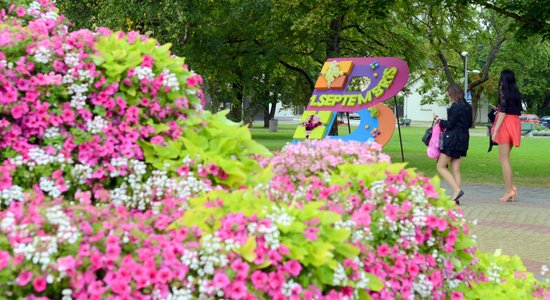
(508, 89)
(456, 93)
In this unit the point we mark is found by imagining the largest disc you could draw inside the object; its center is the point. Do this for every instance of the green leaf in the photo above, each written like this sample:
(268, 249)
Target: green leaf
(247, 249)
(158, 127)
(325, 275)
(328, 217)
(296, 252)
(363, 295)
(97, 60)
(320, 253)
(464, 242)
(99, 110)
(347, 250)
(132, 91)
(336, 235)
(374, 284)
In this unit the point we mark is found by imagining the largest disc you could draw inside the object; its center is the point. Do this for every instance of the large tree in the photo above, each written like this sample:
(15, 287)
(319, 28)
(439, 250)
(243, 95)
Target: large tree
(256, 52)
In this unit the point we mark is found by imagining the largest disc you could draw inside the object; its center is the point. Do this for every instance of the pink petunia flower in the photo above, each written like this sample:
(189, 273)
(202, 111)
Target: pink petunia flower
(455, 295)
(24, 278)
(4, 259)
(293, 267)
(17, 111)
(383, 250)
(39, 284)
(220, 280)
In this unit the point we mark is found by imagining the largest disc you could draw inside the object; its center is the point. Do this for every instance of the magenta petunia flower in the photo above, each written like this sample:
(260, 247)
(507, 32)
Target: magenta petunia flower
(24, 278)
(39, 284)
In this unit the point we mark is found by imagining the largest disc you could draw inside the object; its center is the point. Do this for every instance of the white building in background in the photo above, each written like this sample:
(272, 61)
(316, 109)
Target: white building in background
(287, 114)
(414, 110)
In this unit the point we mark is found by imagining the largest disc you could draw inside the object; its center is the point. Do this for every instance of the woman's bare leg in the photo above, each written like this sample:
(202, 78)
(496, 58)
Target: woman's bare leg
(455, 169)
(442, 163)
(504, 158)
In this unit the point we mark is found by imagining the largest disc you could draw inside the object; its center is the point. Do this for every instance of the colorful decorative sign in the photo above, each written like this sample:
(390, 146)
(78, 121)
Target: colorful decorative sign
(355, 85)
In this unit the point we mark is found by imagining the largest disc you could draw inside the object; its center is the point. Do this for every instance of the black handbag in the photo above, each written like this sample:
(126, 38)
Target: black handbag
(428, 134)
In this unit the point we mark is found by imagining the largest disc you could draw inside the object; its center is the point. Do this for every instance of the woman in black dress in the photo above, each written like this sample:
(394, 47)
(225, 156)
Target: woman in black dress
(455, 139)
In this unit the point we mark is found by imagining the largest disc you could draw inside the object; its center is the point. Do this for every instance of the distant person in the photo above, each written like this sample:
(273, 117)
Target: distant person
(455, 139)
(506, 131)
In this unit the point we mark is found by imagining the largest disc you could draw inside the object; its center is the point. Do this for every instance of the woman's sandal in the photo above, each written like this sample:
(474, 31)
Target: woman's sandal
(509, 197)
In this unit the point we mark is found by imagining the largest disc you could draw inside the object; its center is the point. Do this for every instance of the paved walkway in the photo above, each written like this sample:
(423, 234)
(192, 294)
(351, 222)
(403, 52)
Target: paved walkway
(520, 228)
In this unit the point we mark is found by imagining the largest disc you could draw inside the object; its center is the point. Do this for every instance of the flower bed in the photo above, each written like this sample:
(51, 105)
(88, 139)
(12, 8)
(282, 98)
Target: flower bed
(116, 185)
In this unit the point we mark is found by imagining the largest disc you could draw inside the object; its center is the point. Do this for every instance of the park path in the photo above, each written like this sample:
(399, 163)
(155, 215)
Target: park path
(520, 228)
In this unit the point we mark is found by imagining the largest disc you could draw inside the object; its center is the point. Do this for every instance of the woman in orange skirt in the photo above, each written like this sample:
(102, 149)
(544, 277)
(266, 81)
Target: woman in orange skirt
(506, 131)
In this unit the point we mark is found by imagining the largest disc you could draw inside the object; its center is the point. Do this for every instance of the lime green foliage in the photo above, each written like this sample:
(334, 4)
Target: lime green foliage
(320, 256)
(507, 279)
(118, 55)
(211, 139)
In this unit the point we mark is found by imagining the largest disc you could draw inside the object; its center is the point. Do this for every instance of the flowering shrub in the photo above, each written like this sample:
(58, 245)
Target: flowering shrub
(284, 251)
(78, 110)
(50, 248)
(114, 184)
(302, 160)
(410, 236)
(499, 276)
(221, 151)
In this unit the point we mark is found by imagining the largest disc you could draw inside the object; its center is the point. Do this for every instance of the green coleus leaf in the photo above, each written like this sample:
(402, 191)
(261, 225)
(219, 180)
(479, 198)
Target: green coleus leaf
(347, 250)
(158, 127)
(98, 60)
(170, 151)
(374, 283)
(363, 295)
(325, 275)
(247, 249)
(328, 217)
(320, 253)
(295, 251)
(336, 235)
(464, 242)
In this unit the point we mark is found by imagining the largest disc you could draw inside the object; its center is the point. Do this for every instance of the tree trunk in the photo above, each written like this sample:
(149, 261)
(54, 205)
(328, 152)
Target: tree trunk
(236, 113)
(266, 115)
(248, 111)
(272, 110)
(476, 95)
(333, 40)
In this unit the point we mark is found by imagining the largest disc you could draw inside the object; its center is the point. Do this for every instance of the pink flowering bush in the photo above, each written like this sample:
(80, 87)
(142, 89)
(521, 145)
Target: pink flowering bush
(410, 235)
(314, 157)
(112, 113)
(115, 184)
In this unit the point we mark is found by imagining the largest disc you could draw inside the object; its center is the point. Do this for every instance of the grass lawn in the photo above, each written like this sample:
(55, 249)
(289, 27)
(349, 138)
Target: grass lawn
(530, 162)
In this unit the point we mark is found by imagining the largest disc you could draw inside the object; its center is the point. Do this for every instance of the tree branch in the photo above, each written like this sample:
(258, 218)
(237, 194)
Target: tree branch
(445, 67)
(522, 19)
(299, 70)
(490, 60)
